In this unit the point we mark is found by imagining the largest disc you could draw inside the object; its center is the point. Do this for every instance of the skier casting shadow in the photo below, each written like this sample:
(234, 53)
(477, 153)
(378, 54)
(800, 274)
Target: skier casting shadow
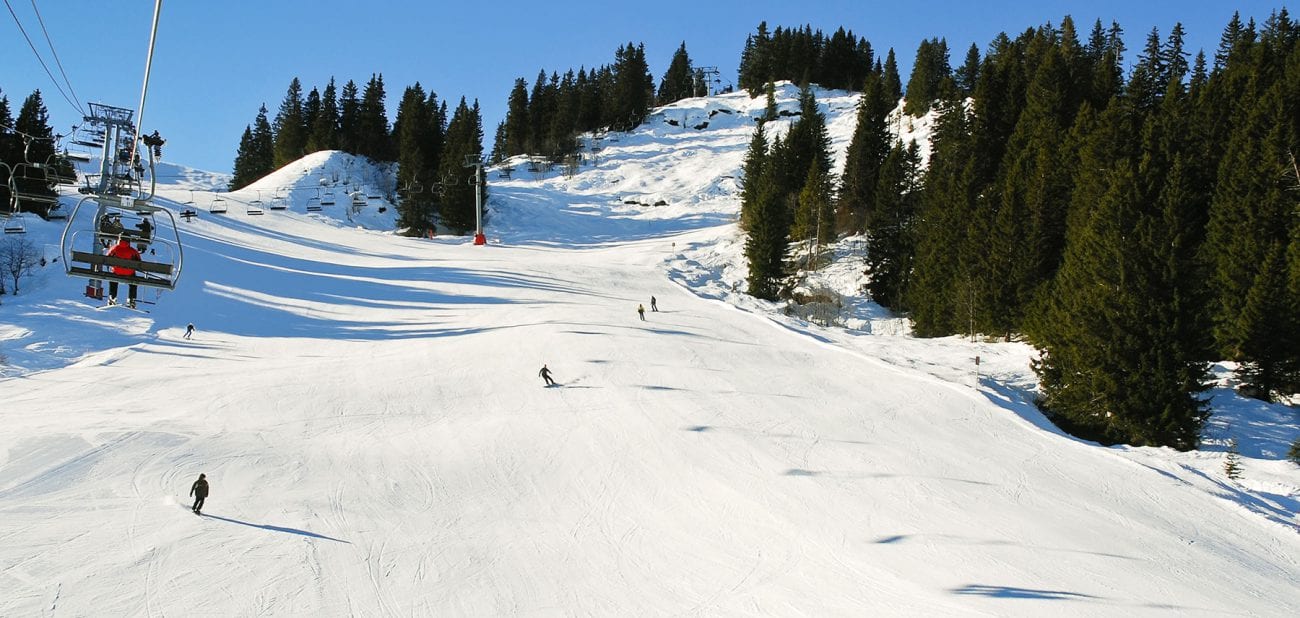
(200, 492)
(546, 375)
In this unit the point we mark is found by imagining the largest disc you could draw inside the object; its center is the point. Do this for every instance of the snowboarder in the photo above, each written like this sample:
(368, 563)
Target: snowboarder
(653, 306)
(123, 250)
(189, 330)
(546, 375)
(200, 491)
(640, 310)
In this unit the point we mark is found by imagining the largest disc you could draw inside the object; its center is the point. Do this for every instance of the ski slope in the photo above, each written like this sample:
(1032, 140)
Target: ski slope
(368, 412)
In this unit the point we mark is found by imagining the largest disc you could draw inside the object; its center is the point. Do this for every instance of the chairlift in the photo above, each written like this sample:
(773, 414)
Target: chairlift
(218, 205)
(279, 203)
(313, 204)
(254, 207)
(88, 234)
(14, 223)
(56, 212)
(327, 198)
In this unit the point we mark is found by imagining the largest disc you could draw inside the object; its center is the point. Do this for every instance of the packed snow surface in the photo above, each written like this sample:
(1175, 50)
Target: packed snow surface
(367, 409)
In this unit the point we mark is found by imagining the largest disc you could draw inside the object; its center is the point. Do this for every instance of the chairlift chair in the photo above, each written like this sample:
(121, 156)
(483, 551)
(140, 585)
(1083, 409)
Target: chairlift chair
(254, 207)
(14, 224)
(85, 241)
(218, 205)
(327, 198)
(313, 204)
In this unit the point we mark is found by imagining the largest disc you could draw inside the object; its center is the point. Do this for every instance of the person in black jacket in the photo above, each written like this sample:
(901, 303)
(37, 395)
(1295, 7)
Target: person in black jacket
(546, 375)
(200, 491)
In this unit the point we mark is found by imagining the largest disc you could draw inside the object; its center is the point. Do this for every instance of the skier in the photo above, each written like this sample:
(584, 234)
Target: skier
(200, 491)
(640, 310)
(546, 375)
(653, 306)
(146, 229)
(189, 330)
(123, 250)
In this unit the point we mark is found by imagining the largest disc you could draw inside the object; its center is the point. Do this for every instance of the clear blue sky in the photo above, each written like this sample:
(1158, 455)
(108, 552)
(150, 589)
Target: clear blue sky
(216, 62)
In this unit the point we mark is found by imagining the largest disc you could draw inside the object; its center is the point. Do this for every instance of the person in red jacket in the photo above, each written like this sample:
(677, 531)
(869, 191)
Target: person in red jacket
(125, 251)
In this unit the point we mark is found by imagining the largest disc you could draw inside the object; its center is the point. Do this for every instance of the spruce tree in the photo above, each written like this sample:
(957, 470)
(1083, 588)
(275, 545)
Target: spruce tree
(310, 111)
(350, 124)
(679, 80)
(892, 82)
(417, 159)
(36, 146)
(767, 240)
(464, 138)
(516, 130)
(968, 73)
(751, 174)
(290, 127)
(929, 73)
(940, 293)
(325, 127)
(1232, 461)
(10, 146)
(263, 145)
(245, 171)
(867, 149)
(372, 122)
(1247, 236)
(814, 218)
(891, 241)
(633, 88)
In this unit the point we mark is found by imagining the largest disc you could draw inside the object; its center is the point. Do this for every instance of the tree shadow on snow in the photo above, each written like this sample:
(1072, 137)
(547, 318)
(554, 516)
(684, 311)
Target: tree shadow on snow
(278, 529)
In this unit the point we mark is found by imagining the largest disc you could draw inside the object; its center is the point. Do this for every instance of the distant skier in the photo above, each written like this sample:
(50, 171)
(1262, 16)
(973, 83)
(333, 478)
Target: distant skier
(200, 491)
(546, 375)
(653, 306)
(640, 311)
(189, 330)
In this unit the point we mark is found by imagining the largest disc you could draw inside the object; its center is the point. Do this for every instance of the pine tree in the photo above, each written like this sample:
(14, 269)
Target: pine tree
(892, 82)
(767, 240)
(929, 74)
(1114, 365)
(866, 151)
(1232, 461)
(37, 146)
(1247, 236)
(633, 88)
(263, 145)
(891, 240)
(752, 172)
(372, 122)
(464, 140)
(516, 130)
(245, 167)
(679, 80)
(940, 293)
(350, 124)
(310, 111)
(325, 127)
(10, 146)
(814, 219)
(417, 159)
(968, 73)
(290, 127)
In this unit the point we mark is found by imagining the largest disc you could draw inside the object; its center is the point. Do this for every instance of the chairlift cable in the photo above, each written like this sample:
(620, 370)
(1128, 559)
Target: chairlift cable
(58, 62)
(144, 88)
(38, 56)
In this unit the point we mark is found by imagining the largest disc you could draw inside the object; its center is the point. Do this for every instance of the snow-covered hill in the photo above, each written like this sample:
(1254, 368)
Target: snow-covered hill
(368, 411)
